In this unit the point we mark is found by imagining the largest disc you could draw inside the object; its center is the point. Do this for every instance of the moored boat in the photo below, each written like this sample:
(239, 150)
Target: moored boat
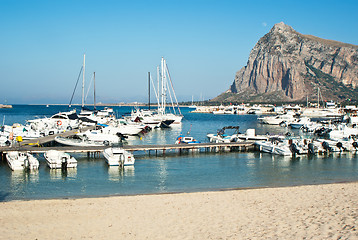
(21, 160)
(58, 159)
(116, 156)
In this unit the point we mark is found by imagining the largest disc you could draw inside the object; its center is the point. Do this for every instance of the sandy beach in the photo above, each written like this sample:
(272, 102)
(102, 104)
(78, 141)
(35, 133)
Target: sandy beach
(305, 212)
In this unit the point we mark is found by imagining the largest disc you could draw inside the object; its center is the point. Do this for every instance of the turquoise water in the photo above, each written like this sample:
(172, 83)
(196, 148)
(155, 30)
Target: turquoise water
(172, 173)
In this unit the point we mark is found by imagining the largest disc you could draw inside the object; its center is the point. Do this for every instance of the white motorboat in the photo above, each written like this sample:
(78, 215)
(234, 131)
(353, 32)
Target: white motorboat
(126, 128)
(339, 145)
(277, 120)
(19, 130)
(151, 118)
(343, 131)
(116, 156)
(4, 141)
(275, 146)
(255, 110)
(299, 123)
(82, 142)
(106, 135)
(250, 135)
(58, 159)
(21, 160)
(221, 136)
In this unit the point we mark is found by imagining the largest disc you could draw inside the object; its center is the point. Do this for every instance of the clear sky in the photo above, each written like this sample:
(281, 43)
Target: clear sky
(203, 41)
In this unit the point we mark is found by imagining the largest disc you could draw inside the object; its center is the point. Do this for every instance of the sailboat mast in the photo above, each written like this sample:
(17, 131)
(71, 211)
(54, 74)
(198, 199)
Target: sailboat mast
(148, 90)
(83, 81)
(94, 90)
(162, 82)
(158, 87)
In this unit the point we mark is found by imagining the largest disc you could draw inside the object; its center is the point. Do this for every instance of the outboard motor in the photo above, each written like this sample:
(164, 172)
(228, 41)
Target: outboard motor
(294, 149)
(326, 146)
(64, 164)
(311, 148)
(340, 146)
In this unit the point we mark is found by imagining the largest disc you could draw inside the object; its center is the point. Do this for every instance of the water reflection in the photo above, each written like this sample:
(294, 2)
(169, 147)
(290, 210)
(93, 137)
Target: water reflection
(23, 176)
(116, 173)
(162, 174)
(63, 174)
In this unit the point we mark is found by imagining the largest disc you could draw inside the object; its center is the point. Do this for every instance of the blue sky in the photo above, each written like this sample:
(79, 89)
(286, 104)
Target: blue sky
(204, 43)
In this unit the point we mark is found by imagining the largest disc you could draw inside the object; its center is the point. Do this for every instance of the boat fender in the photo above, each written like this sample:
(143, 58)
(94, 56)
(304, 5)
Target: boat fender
(339, 145)
(355, 144)
(59, 123)
(310, 148)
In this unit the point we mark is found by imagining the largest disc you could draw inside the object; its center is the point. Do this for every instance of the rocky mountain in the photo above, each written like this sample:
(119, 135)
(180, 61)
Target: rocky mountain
(288, 66)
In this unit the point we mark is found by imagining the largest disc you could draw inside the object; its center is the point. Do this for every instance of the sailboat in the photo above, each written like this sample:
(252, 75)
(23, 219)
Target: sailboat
(165, 88)
(192, 103)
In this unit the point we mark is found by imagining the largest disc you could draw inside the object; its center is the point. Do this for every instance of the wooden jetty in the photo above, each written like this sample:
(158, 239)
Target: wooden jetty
(240, 146)
(42, 144)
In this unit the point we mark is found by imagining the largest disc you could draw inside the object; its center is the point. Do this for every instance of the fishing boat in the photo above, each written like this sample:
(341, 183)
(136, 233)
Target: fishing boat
(21, 160)
(116, 156)
(58, 159)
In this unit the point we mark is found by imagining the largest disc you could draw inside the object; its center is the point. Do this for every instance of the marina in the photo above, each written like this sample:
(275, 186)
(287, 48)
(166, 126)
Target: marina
(161, 167)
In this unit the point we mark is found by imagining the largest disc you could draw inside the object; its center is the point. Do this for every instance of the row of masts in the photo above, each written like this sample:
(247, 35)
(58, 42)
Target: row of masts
(165, 85)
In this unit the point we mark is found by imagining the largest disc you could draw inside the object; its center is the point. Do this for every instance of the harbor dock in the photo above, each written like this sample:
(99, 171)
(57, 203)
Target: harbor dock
(43, 144)
(239, 146)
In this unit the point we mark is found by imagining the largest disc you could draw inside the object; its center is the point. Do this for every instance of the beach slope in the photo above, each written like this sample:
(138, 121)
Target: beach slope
(314, 212)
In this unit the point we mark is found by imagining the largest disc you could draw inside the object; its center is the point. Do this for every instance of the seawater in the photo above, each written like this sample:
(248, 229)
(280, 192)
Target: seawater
(171, 172)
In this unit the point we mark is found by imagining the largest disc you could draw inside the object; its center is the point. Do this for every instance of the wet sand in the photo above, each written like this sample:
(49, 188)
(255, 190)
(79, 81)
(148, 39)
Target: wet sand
(305, 212)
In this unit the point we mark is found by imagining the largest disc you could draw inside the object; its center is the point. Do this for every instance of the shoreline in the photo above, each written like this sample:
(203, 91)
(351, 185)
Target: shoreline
(311, 211)
(177, 192)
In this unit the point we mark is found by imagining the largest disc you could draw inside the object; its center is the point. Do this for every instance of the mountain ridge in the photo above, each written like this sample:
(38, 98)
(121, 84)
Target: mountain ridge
(289, 66)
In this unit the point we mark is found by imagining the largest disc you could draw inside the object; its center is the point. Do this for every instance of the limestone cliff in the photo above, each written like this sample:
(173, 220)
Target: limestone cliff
(286, 65)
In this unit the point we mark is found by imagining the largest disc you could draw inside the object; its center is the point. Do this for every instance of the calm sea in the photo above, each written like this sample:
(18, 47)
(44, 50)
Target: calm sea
(171, 173)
